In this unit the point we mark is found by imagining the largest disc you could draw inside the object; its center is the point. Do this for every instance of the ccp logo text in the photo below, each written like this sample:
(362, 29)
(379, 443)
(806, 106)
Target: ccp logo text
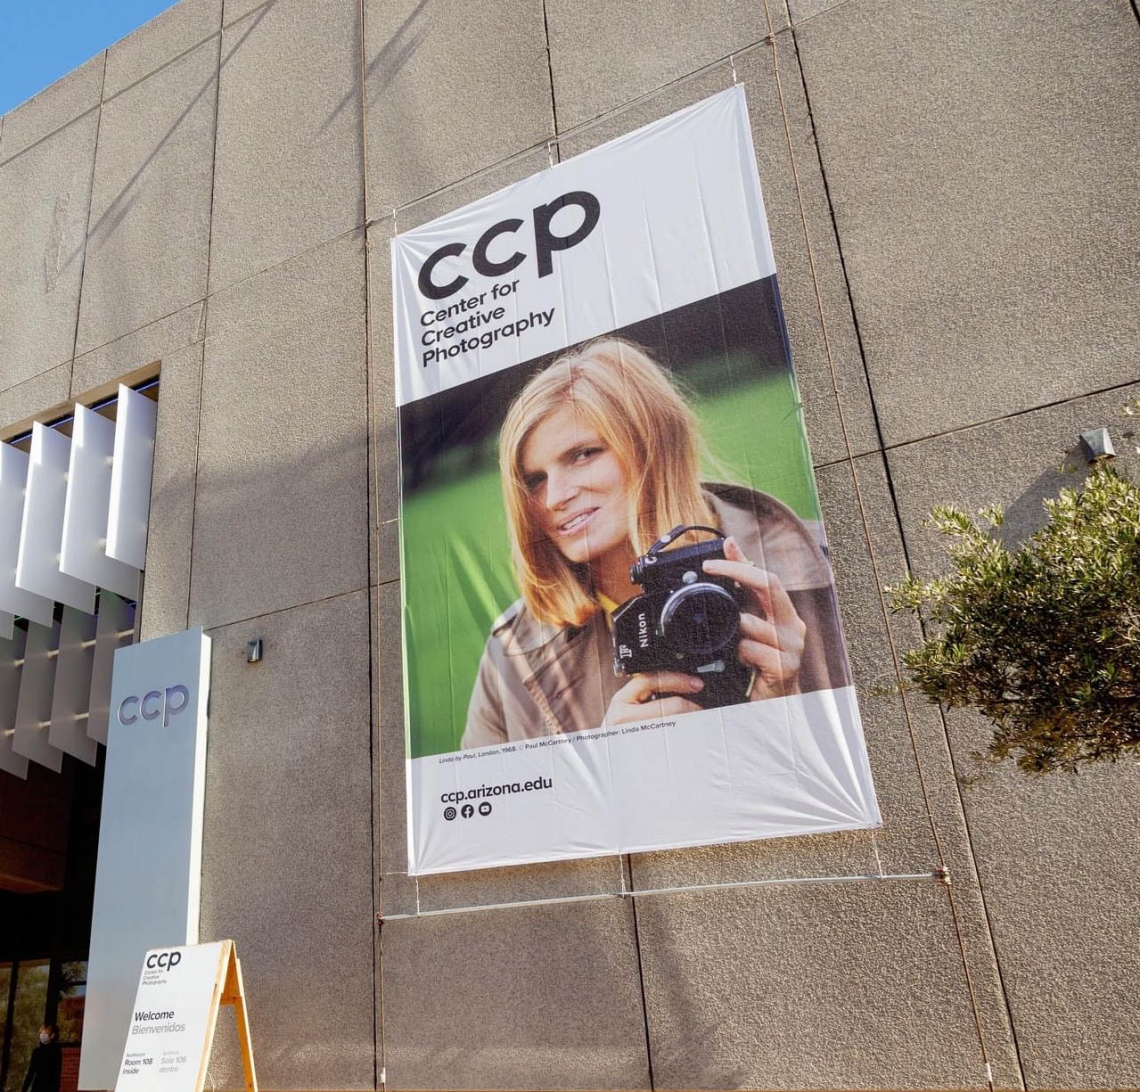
(166, 960)
(154, 704)
(546, 242)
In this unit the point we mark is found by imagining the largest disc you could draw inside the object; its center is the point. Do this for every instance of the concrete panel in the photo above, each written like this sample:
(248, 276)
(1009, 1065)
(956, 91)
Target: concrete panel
(1017, 462)
(828, 986)
(34, 396)
(603, 54)
(984, 174)
(794, 269)
(148, 239)
(1062, 888)
(159, 41)
(289, 159)
(232, 10)
(450, 88)
(802, 10)
(155, 341)
(281, 515)
(1061, 883)
(44, 198)
(288, 767)
(910, 758)
(166, 581)
(55, 106)
(540, 998)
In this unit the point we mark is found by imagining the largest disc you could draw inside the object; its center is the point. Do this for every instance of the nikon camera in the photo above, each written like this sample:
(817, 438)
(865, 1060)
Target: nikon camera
(685, 620)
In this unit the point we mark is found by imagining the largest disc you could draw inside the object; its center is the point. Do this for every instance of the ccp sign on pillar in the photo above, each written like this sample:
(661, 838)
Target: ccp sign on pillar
(154, 705)
(148, 877)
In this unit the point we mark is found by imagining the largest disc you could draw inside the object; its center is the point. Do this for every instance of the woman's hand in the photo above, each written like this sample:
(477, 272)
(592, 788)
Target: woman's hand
(772, 640)
(641, 697)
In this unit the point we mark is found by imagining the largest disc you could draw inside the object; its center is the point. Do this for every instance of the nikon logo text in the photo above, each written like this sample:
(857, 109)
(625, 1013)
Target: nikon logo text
(643, 630)
(154, 704)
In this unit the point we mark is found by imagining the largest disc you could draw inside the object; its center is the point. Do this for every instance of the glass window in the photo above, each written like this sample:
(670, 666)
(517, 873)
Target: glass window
(71, 997)
(5, 987)
(27, 1015)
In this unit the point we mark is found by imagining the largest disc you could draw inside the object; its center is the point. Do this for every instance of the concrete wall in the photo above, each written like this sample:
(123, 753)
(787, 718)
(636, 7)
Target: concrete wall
(216, 192)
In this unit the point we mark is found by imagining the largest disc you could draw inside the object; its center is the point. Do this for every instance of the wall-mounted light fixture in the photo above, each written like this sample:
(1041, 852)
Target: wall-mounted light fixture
(1097, 445)
(254, 650)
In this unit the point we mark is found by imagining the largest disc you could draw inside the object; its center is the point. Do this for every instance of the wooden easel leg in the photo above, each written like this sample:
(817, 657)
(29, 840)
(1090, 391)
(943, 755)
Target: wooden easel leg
(235, 995)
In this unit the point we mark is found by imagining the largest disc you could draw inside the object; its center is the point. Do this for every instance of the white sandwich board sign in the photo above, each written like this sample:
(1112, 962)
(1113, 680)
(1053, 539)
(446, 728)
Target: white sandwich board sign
(176, 1010)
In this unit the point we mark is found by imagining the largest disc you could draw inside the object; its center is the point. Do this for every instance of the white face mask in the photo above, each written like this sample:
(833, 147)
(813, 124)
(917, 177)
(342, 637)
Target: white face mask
(45, 1038)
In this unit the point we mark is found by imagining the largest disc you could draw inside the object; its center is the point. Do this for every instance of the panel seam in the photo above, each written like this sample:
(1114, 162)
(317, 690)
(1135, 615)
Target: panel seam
(204, 325)
(640, 973)
(896, 509)
(86, 231)
(379, 1045)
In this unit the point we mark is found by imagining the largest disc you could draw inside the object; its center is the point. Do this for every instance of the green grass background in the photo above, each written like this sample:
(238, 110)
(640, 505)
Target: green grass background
(456, 558)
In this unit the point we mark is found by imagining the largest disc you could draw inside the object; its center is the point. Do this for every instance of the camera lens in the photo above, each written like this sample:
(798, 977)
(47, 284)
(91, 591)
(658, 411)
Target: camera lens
(700, 619)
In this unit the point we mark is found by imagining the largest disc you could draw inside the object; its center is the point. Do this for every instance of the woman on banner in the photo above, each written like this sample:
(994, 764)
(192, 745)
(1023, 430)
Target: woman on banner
(599, 458)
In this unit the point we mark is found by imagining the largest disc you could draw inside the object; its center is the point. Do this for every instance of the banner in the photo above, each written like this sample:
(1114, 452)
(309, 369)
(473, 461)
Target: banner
(619, 622)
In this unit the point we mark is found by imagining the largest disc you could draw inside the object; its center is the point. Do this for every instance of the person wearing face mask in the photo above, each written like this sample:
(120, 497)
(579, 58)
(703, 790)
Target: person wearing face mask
(599, 457)
(46, 1064)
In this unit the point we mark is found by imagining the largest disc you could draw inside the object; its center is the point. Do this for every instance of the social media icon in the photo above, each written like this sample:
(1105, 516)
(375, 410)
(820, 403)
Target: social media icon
(468, 811)
(449, 814)
(485, 808)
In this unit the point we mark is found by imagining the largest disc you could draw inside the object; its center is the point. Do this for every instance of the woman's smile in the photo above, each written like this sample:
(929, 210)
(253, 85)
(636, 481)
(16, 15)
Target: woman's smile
(576, 522)
(577, 487)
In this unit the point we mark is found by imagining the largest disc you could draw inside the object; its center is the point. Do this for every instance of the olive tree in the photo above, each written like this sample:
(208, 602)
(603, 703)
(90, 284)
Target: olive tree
(1044, 640)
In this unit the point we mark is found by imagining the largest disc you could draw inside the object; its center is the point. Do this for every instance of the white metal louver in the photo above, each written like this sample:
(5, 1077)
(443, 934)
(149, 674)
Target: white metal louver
(13, 484)
(73, 532)
(129, 509)
(83, 549)
(11, 670)
(41, 533)
(33, 706)
(71, 691)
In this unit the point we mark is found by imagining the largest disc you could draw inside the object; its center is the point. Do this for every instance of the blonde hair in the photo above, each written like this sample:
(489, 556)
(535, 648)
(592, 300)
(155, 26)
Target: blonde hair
(643, 418)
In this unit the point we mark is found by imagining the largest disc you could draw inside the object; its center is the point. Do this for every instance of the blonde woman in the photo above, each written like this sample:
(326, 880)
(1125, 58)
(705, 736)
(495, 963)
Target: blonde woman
(599, 458)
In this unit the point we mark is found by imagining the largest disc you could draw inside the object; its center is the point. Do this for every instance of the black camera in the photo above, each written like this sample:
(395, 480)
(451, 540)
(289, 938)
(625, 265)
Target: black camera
(686, 620)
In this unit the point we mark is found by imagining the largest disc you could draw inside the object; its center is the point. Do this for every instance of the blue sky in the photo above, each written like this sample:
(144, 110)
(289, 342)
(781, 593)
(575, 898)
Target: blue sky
(41, 40)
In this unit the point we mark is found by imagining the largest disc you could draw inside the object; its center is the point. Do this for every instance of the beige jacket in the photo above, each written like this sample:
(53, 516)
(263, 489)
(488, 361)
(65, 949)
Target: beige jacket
(541, 680)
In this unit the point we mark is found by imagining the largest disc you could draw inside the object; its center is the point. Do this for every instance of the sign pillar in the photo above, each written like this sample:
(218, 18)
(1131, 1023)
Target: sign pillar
(148, 877)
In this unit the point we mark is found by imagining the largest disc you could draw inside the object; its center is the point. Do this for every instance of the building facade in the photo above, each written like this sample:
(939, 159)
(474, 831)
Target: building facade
(952, 195)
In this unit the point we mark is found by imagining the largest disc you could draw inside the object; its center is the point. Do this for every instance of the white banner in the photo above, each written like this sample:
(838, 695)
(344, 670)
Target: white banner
(668, 214)
(716, 776)
(620, 626)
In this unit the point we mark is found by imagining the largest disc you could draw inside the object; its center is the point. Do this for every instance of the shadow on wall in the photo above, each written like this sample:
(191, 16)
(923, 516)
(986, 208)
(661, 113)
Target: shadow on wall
(1026, 515)
(381, 71)
(120, 205)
